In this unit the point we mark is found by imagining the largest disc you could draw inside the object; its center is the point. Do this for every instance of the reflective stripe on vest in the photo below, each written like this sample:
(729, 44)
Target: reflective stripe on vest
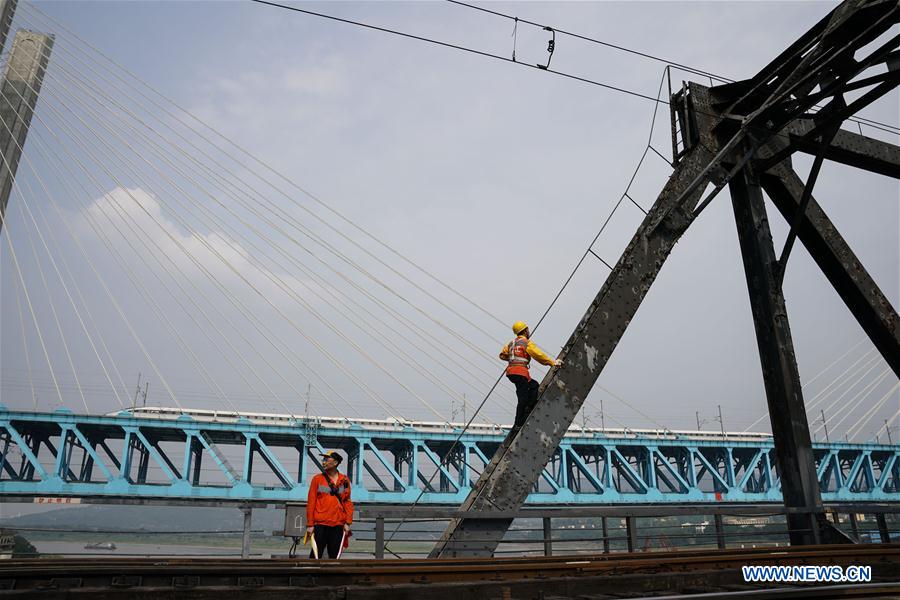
(518, 355)
(325, 489)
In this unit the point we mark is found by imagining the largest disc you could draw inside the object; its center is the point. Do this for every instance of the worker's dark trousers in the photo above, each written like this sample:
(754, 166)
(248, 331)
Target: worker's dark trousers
(328, 539)
(527, 394)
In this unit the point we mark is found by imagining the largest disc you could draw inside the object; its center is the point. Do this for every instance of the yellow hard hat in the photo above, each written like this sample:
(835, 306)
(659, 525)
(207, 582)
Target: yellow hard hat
(519, 327)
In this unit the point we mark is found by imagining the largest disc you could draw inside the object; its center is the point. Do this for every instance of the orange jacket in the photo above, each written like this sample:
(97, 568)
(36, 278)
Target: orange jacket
(519, 352)
(323, 508)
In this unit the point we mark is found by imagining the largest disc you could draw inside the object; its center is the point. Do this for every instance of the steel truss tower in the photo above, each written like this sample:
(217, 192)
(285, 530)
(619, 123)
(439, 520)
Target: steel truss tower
(742, 136)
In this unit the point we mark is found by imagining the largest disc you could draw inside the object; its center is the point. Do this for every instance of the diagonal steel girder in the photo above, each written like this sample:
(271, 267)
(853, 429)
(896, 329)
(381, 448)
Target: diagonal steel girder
(838, 263)
(511, 474)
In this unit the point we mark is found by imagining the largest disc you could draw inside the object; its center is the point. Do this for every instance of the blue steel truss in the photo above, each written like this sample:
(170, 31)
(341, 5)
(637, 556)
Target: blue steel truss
(62, 454)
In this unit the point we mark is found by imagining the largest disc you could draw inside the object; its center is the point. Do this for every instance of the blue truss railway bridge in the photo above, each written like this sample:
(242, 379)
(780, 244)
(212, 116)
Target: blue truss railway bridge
(158, 453)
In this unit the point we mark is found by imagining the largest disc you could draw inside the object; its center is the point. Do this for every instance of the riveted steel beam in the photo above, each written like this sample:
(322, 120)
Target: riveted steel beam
(840, 265)
(848, 148)
(793, 447)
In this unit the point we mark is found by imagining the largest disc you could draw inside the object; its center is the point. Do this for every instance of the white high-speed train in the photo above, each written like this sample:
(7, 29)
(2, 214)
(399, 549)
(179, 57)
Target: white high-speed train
(395, 424)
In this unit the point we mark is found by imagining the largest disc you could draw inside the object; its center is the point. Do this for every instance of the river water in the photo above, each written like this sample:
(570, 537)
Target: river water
(124, 549)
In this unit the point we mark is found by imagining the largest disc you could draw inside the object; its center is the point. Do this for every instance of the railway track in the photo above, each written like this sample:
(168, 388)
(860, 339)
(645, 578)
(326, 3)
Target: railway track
(585, 576)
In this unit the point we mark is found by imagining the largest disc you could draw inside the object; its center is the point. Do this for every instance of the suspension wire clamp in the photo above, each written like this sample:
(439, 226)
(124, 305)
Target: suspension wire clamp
(515, 37)
(551, 47)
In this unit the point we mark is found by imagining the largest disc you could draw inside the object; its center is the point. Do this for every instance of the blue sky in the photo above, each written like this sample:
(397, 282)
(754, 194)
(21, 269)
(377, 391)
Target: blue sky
(492, 176)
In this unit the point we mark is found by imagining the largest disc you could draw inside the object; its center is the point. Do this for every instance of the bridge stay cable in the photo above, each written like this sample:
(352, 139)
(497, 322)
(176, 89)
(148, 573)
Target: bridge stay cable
(108, 244)
(438, 415)
(318, 201)
(136, 232)
(867, 358)
(65, 287)
(93, 326)
(219, 134)
(52, 305)
(160, 314)
(856, 428)
(125, 320)
(815, 377)
(278, 280)
(186, 252)
(858, 378)
(25, 352)
(37, 230)
(30, 305)
(851, 405)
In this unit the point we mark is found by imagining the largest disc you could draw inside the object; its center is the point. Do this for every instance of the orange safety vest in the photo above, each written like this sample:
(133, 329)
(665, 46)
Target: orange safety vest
(519, 359)
(324, 508)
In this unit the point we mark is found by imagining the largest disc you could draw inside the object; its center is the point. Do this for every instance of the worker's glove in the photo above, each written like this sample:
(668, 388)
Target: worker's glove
(558, 363)
(310, 530)
(346, 527)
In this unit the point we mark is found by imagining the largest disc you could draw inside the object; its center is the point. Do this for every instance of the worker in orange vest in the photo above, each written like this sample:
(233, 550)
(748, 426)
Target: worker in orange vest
(518, 354)
(329, 510)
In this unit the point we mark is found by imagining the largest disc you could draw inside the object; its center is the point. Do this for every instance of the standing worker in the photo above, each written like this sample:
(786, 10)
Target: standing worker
(518, 353)
(329, 510)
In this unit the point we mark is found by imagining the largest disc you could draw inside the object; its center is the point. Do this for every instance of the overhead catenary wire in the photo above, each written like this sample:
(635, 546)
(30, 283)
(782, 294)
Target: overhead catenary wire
(457, 47)
(621, 48)
(593, 40)
(489, 54)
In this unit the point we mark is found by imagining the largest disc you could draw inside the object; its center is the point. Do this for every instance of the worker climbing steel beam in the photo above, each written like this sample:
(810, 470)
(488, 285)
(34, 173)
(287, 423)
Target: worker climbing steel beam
(517, 464)
(723, 130)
